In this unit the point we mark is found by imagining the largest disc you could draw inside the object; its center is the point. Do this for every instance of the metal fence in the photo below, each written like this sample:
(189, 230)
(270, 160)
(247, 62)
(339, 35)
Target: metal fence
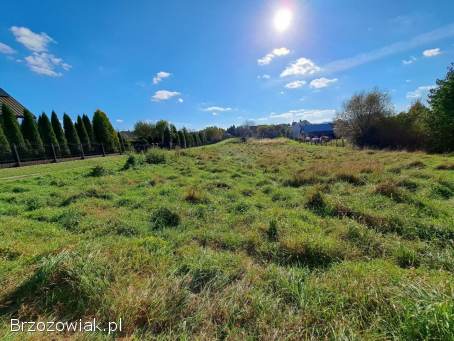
(30, 154)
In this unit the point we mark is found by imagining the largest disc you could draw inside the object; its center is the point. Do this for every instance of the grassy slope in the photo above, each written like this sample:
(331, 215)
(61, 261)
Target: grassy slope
(275, 240)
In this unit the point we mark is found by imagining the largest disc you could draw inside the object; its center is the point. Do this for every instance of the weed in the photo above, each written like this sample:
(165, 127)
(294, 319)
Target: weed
(163, 217)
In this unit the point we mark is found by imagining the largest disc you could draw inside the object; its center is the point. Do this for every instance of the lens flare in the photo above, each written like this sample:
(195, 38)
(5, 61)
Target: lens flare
(282, 19)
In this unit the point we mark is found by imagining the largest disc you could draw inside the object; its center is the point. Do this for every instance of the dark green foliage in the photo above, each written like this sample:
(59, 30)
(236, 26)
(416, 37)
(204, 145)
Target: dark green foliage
(163, 217)
(198, 142)
(5, 149)
(182, 139)
(59, 133)
(440, 119)
(188, 138)
(82, 133)
(98, 171)
(47, 134)
(31, 135)
(104, 132)
(133, 161)
(174, 135)
(88, 128)
(12, 130)
(167, 140)
(71, 135)
(124, 145)
(155, 157)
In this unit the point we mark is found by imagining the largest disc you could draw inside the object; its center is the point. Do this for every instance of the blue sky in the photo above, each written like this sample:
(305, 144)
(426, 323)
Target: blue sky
(199, 63)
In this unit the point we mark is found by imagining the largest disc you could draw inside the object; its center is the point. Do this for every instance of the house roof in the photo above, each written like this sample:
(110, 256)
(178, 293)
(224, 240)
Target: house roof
(15, 106)
(321, 127)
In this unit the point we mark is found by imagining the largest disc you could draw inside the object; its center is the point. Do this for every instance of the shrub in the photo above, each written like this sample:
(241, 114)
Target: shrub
(97, 171)
(163, 217)
(155, 156)
(132, 161)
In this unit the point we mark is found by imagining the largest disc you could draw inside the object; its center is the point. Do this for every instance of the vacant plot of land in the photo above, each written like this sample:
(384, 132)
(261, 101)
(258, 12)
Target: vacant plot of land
(236, 240)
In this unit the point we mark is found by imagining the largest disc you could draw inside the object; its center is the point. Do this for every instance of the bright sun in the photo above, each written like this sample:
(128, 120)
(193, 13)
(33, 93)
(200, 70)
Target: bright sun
(282, 19)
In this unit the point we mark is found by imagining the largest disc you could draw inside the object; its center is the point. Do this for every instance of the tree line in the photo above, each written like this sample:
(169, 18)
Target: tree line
(166, 135)
(43, 136)
(368, 120)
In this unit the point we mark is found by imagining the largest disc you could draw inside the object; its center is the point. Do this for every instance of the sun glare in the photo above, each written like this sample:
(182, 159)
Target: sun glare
(282, 19)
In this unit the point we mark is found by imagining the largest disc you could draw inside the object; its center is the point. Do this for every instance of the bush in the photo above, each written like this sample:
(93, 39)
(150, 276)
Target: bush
(163, 217)
(154, 157)
(97, 171)
(132, 161)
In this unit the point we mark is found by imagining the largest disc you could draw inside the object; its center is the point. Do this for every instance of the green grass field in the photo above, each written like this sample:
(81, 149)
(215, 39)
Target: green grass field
(265, 240)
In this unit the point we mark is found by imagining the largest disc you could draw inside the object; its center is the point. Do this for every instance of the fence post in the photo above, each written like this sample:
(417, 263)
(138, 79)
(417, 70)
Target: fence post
(53, 153)
(102, 149)
(16, 155)
(82, 155)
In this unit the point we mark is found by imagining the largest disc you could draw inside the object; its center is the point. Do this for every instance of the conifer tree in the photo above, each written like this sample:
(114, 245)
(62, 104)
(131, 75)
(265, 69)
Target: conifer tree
(167, 138)
(89, 128)
(59, 133)
(197, 139)
(181, 139)
(71, 135)
(188, 138)
(104, 132)
(30, 132)
(82, 133)
(12, 130)
(5, 149)
(47, 134)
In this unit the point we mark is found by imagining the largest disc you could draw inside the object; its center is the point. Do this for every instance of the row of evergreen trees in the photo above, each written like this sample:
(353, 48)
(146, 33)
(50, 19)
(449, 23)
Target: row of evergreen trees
(42, 137)
(166, 135)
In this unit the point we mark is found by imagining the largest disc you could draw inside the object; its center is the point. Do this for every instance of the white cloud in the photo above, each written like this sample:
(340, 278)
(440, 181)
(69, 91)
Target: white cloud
(46, 64)
(164, 95)
(295, 84)
(160, 76)
(5, 49)
(120, 121)
(311, 115)
(323, 82)
(420, 92)
(282, 51)
(36, 42)
(431, 52)
(215, 113)
(301, 67)
(264, 76)
(409, 61)
(180, 100)
(217, 109)
(279, 52)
